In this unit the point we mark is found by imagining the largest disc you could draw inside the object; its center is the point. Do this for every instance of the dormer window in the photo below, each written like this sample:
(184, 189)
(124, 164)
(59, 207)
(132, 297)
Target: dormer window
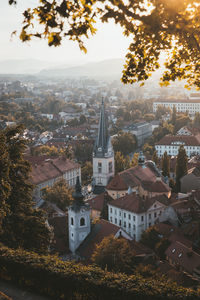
(82, 222)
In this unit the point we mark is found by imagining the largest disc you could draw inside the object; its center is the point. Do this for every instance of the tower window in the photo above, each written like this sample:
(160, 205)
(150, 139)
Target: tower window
(110, 167)
(99, 167)
(72, 221)
(82, 222)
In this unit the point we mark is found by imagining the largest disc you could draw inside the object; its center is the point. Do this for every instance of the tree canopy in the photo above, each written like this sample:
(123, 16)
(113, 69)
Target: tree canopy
(155, 26)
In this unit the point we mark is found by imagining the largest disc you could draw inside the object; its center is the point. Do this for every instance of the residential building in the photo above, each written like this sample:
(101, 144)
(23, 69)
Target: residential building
(142, 130)
(46, 173)
(191, 106)
(171, 144)
(135, 214)
(144, 178)
(191, 181)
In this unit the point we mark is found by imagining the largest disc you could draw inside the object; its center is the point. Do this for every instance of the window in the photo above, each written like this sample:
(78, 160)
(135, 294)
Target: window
(99, 167)
(133, 227)
(129, 216)
(111, 219)
(142, 218)
(124, 215)
(129, 225)
(110, 167)
(120, 213)
(111, 210)
(134, 218)
(120, 223)
(115, 220)
(82, 222)
(155, 215)
(124, 224)
(72, 221)
(149, 216)
(149, 224)
(115, 211)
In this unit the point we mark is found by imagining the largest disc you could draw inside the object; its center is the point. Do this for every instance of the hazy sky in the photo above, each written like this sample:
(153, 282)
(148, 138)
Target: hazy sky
(109, 41)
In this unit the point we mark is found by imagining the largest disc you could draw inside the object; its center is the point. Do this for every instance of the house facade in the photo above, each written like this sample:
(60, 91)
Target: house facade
(186, 105)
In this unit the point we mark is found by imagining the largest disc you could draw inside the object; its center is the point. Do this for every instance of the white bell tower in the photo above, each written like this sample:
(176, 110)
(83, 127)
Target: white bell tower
(78, 219)
(103, 154)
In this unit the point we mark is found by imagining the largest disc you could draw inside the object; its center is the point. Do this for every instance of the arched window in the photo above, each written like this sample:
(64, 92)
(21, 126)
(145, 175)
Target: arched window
(72, 221)
(82, 221)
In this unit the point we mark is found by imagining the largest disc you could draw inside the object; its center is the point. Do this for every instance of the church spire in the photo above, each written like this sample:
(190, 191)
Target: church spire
(102, 140)
(77, 195)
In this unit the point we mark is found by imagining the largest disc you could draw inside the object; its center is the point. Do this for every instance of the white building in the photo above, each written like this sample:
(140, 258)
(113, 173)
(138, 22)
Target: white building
(142, 130)
(135, 214)
(192, 106)
(46, 173)
(171, 144)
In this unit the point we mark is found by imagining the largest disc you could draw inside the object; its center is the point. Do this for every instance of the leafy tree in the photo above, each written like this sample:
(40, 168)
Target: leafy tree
(59, 193)
(147, 149)
(181, 166)
(4, 178)
(155, 157)
(166, 165)
(120, 162)
(154, 27)
(161, 111)
(23, 226)
(68, 152)
(196, 121)
(83, 152)
(134, 161)
(124, 142)
(114, 255)
(150, 237)
(161, 247)
(86, 172)
(173, 118)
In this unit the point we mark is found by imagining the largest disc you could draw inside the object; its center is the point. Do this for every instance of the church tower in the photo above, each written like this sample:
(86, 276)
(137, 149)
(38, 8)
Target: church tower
(78, 219)
(103, 155)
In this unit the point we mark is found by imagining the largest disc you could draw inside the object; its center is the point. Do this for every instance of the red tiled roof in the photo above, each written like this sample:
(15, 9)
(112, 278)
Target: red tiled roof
(134, 203)
(51, 168)
(131, 177)
(97, 202)
(156, 187)
(183, 256)
(165, 229)
(179, 237)
(117, 183)
(188, 140)
(178, 101)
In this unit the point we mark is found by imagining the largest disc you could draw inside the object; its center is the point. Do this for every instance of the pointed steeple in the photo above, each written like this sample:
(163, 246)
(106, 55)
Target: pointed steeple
(102, 140)
(77, 195)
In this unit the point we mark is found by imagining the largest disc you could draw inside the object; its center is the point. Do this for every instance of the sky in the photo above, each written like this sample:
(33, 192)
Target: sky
(108, 42)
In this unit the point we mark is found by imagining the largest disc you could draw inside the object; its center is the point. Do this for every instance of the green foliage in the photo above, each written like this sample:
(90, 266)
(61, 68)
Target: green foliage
(83, 152)
(173, 118)
(155, 157)
(121, 163)
(59, 193)
(166, 165)
(161, 111)
(86, 172)
(67, 280)
(161, 247)
(114, 255)
(124, 142)
(150, 237)
(181, 166)
(22, 226)
(147, 149)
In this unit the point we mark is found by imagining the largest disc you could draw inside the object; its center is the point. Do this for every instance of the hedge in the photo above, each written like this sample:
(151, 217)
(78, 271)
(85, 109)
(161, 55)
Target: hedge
(69, 280)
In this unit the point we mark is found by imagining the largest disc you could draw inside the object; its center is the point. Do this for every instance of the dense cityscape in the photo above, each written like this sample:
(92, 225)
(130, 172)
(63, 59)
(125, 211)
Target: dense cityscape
(100, 176)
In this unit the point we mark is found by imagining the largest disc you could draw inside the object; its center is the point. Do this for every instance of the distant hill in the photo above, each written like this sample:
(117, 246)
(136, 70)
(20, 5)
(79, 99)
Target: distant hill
(105, 68)
(24, 66)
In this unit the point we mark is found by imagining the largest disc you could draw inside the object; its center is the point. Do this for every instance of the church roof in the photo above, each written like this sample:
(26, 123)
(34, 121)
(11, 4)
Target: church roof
(99, 231)
(101, 145)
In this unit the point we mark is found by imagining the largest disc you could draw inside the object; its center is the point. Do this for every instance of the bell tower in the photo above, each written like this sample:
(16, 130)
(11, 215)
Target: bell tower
(103, 154)
(78, 219)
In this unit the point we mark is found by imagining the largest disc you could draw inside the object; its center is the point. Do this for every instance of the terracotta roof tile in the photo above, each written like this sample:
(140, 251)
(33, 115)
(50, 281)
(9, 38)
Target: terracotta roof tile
(183, 256)
(188, 140)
